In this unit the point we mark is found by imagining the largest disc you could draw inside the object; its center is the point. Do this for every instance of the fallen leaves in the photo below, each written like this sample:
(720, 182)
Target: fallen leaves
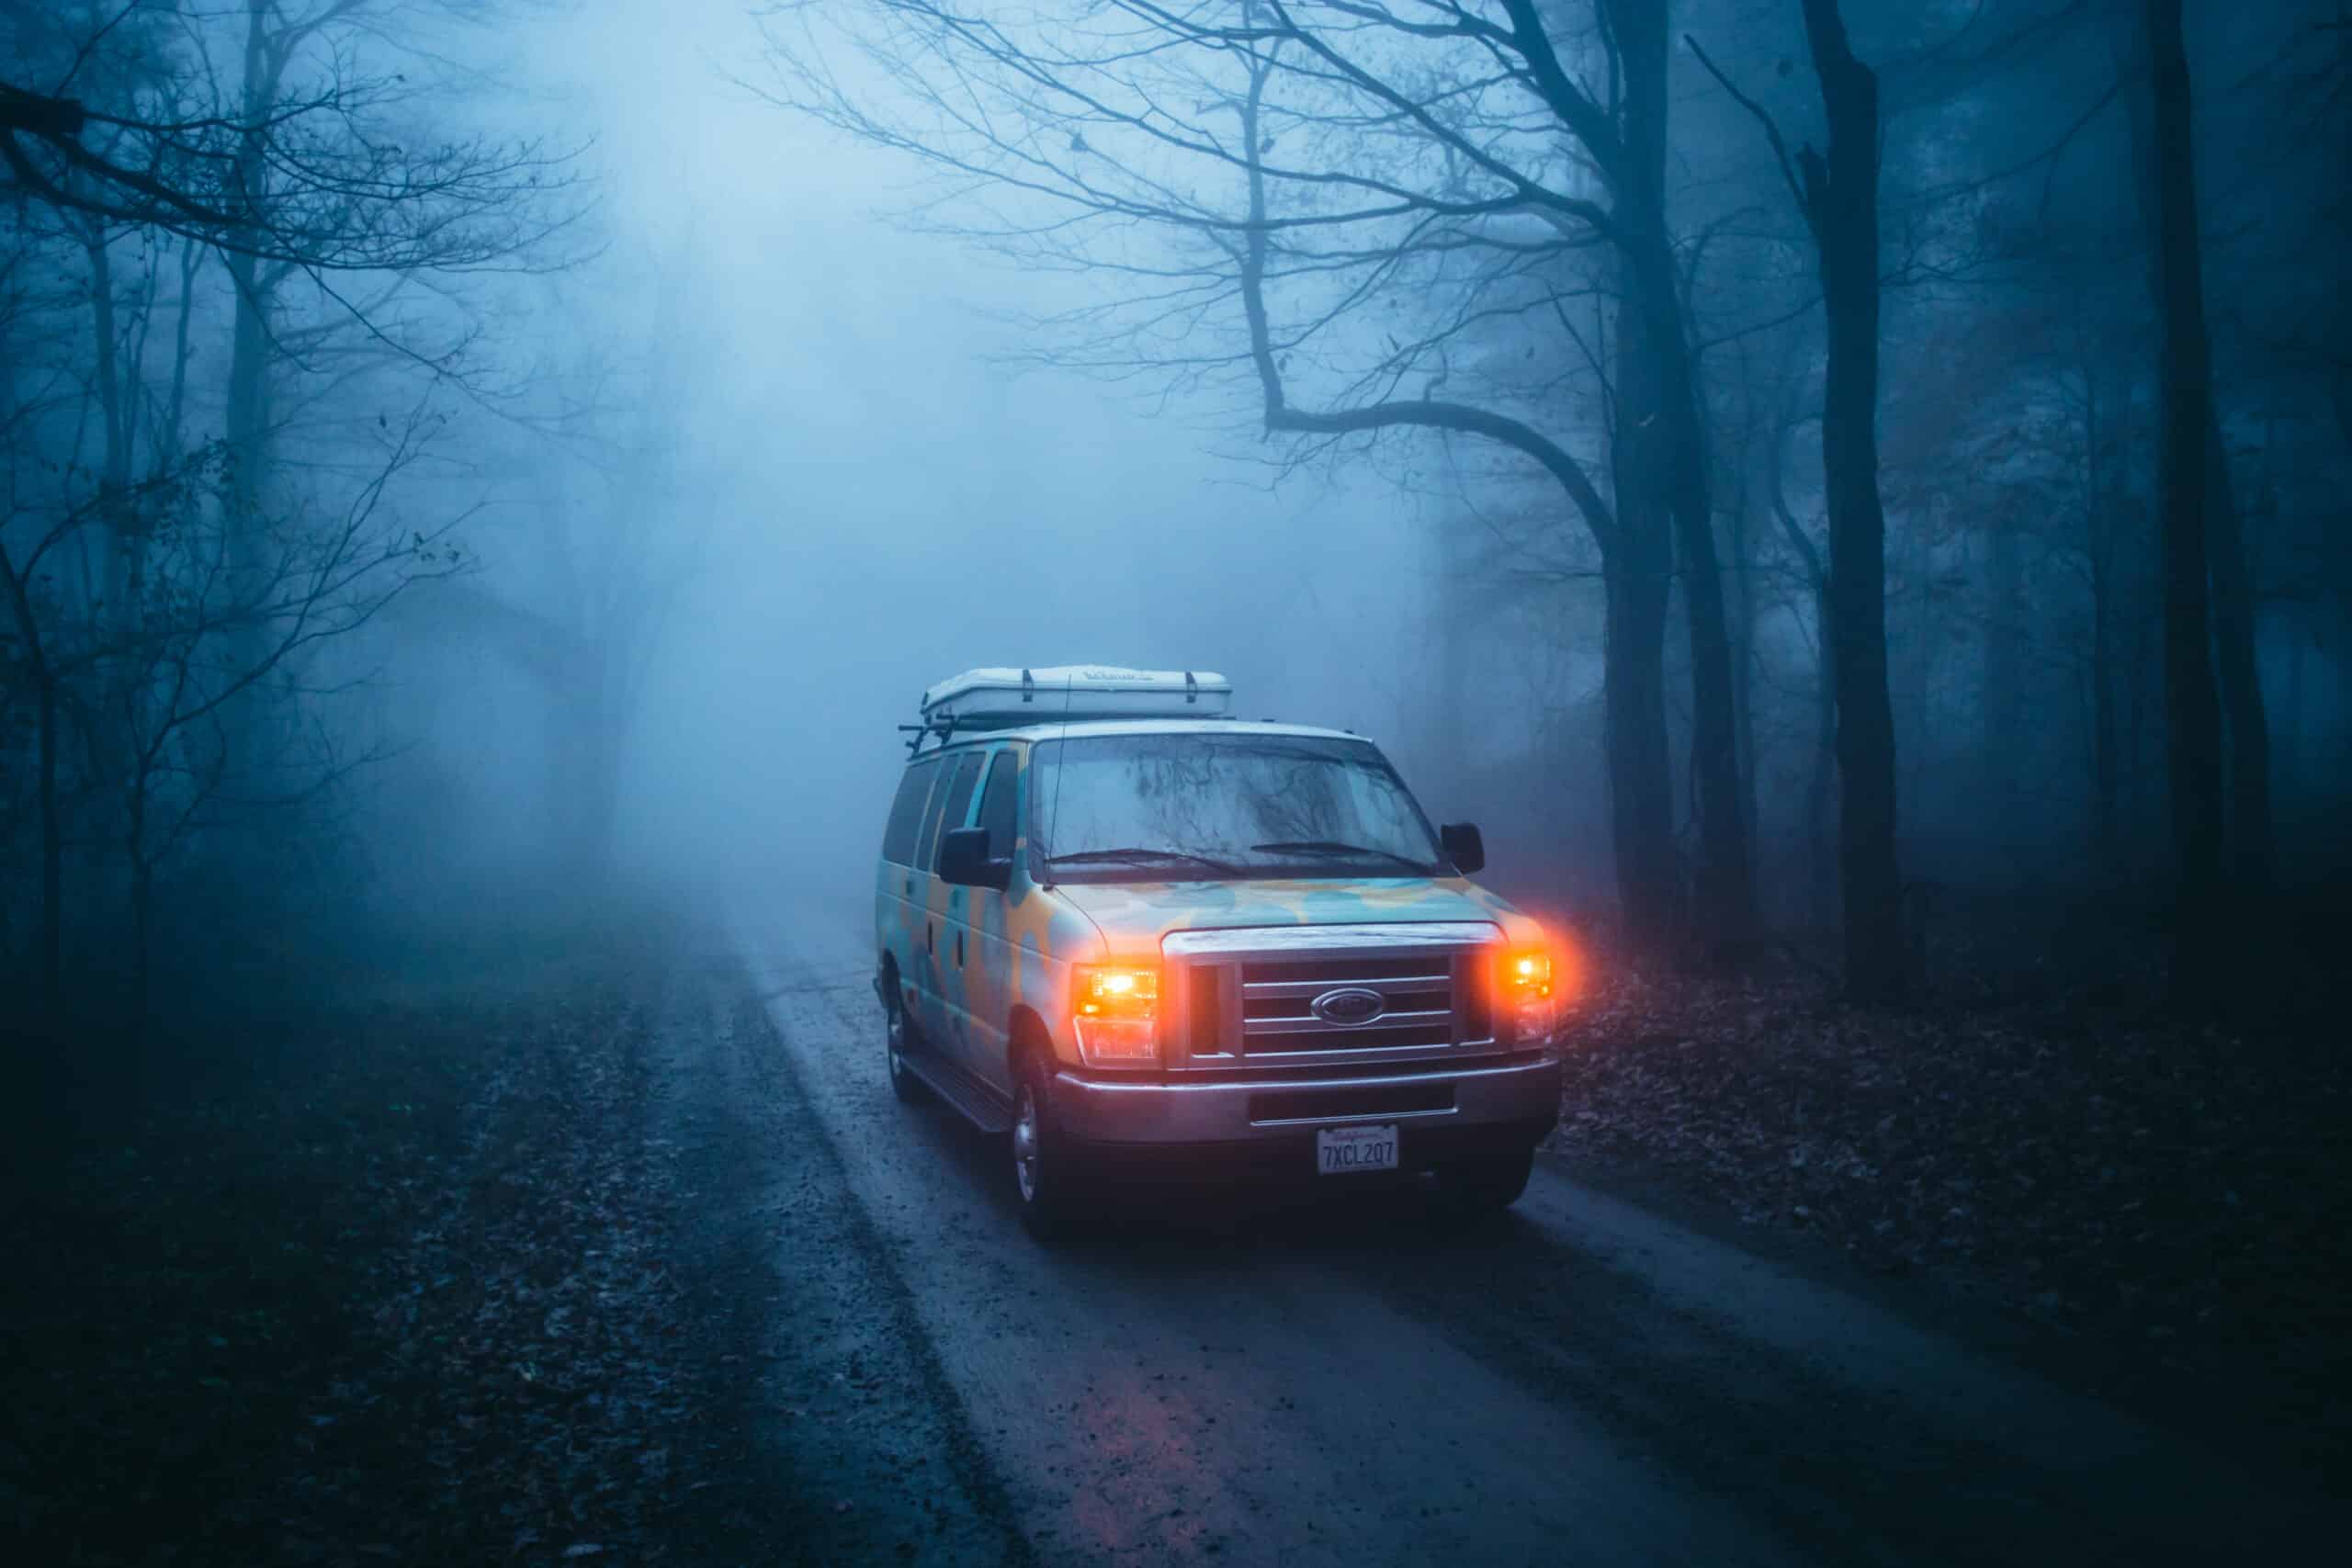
(396, 1281)
(2100, 1168)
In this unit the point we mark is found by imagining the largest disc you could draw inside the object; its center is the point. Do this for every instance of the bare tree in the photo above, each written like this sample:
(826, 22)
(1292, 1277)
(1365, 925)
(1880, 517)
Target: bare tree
(209, 635)
(2230, 589)
(303, 174)
(1837, 192)
(174, 605)
(1450, 150)
(2192, 710)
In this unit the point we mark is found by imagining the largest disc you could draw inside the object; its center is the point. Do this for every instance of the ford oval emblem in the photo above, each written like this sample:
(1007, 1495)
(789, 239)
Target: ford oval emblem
(1348, 1005)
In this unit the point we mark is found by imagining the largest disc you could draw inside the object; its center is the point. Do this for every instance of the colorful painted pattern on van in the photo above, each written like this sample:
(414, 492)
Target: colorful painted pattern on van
(1018, 945)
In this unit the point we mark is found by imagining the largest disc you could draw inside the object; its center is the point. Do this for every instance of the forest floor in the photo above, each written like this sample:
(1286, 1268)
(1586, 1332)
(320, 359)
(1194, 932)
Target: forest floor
(252, 1258)
(2174, 1200)
(441, 1266)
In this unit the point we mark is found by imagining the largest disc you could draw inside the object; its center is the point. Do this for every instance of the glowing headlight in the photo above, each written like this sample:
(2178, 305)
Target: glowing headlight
(1530, 1007)
(1530, 975)
(1115, 1010)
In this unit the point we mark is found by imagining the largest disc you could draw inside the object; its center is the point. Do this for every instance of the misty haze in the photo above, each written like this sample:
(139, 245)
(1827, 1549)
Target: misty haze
(1166, 781)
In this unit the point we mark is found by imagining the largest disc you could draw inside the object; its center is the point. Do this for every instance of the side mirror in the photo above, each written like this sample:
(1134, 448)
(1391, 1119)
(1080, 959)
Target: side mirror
(963, 860)
(1464, 847)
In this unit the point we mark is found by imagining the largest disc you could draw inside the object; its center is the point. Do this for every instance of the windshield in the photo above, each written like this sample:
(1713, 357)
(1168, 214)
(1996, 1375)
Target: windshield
(1184, 808)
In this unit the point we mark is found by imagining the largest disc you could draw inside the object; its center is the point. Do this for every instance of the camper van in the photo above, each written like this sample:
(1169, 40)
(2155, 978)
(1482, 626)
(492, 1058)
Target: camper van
(1126, 929)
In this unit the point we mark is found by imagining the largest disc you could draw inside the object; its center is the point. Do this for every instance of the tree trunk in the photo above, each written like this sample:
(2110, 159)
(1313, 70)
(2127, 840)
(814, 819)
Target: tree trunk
(2230, 589)
(1638, 588)
(2289, 775)
(2101, 529)
(52, 959)
(2192, 710)
(2107, 726)
(1841, 199)
(113, 468)
(1821, 789)
(1724, 887)
(2241, 676)
(246, 423)
(1640, 779)
(1743, 651)
(247, 417)
(49, 945)
(2231, 608)
(1821, 861)
(1726, 883)
(2002, 714)
(1448, 728)
(142, 884)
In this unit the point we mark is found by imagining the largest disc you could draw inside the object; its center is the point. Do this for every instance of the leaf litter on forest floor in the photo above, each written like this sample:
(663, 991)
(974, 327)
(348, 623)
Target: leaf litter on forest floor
(2103, 1169)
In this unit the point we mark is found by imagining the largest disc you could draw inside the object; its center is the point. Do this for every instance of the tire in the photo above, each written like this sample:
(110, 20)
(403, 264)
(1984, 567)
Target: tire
(1484, 1185)
(1043, 1183)
(898, 1029)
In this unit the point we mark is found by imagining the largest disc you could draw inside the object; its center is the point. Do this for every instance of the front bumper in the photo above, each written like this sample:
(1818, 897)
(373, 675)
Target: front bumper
(1501, 1098)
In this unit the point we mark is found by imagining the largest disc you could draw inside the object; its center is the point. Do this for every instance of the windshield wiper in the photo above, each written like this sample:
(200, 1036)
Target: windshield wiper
(1082, 857)
(1334, 847)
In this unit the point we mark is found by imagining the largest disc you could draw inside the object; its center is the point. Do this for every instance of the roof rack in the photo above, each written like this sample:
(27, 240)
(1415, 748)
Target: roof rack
(1003, 698)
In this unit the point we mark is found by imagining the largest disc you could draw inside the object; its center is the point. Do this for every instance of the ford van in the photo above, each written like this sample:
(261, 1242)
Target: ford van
(1120, 927)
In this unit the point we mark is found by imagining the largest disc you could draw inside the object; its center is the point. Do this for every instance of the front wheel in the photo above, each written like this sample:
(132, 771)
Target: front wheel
(1042, 1178)
(1485, 1183)
(909, 1089)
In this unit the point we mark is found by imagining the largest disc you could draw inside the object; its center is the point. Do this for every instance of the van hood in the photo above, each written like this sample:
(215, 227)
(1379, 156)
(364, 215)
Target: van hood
(1136, 915)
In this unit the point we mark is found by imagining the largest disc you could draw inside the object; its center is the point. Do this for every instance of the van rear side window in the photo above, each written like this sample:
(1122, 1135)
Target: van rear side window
(958, 793)
(906, 812)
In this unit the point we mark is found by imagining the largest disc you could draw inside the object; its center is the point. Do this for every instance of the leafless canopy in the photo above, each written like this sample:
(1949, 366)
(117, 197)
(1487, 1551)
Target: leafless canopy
(1257, 172)
(337, 176)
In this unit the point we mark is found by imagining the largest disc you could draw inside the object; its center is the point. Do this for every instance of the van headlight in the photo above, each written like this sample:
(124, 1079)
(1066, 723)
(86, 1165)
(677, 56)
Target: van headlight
(1114, 1008)
(1530, 995)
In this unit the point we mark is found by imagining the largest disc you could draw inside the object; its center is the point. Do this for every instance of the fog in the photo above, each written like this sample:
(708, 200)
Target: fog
(1847, 498)
(751, 395)
(875, 494)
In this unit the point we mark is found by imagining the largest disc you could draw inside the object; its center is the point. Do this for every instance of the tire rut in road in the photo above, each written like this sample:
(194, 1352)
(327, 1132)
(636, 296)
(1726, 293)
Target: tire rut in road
(847, 1441)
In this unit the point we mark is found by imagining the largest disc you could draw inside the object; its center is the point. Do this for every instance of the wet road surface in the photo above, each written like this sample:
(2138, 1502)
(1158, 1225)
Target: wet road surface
(1341, 1379)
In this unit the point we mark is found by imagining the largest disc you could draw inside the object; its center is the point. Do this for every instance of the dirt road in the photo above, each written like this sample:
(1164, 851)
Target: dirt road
(1328, 1379)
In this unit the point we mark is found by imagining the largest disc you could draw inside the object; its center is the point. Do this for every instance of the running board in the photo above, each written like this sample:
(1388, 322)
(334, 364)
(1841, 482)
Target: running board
(978, 1103)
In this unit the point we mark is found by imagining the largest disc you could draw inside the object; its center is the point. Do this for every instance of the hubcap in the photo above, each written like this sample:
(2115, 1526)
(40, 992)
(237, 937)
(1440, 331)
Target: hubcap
(897, 1038)
(1025, 1146)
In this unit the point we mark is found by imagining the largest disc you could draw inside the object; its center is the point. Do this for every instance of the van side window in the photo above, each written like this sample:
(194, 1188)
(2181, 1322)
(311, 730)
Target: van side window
(957, 795)
(996, 804)
(906, 812)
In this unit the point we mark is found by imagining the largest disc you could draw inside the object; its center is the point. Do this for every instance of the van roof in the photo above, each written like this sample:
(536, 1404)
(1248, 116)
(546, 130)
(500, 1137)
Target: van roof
(1056, 730)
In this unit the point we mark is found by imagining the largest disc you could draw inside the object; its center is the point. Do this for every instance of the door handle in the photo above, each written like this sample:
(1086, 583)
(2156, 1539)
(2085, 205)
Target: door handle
(960, 950)
(931, 937)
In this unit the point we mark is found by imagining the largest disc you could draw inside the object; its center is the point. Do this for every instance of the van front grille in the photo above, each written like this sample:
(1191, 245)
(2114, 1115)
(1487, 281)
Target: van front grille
(1360, 997)
(1399, 1001)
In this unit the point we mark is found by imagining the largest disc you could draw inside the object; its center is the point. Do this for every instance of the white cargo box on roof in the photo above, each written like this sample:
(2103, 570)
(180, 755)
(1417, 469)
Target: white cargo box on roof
(1047, 693)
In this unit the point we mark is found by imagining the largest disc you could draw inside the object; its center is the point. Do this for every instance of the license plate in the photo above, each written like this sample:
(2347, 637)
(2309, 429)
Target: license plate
(1341, 1151)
